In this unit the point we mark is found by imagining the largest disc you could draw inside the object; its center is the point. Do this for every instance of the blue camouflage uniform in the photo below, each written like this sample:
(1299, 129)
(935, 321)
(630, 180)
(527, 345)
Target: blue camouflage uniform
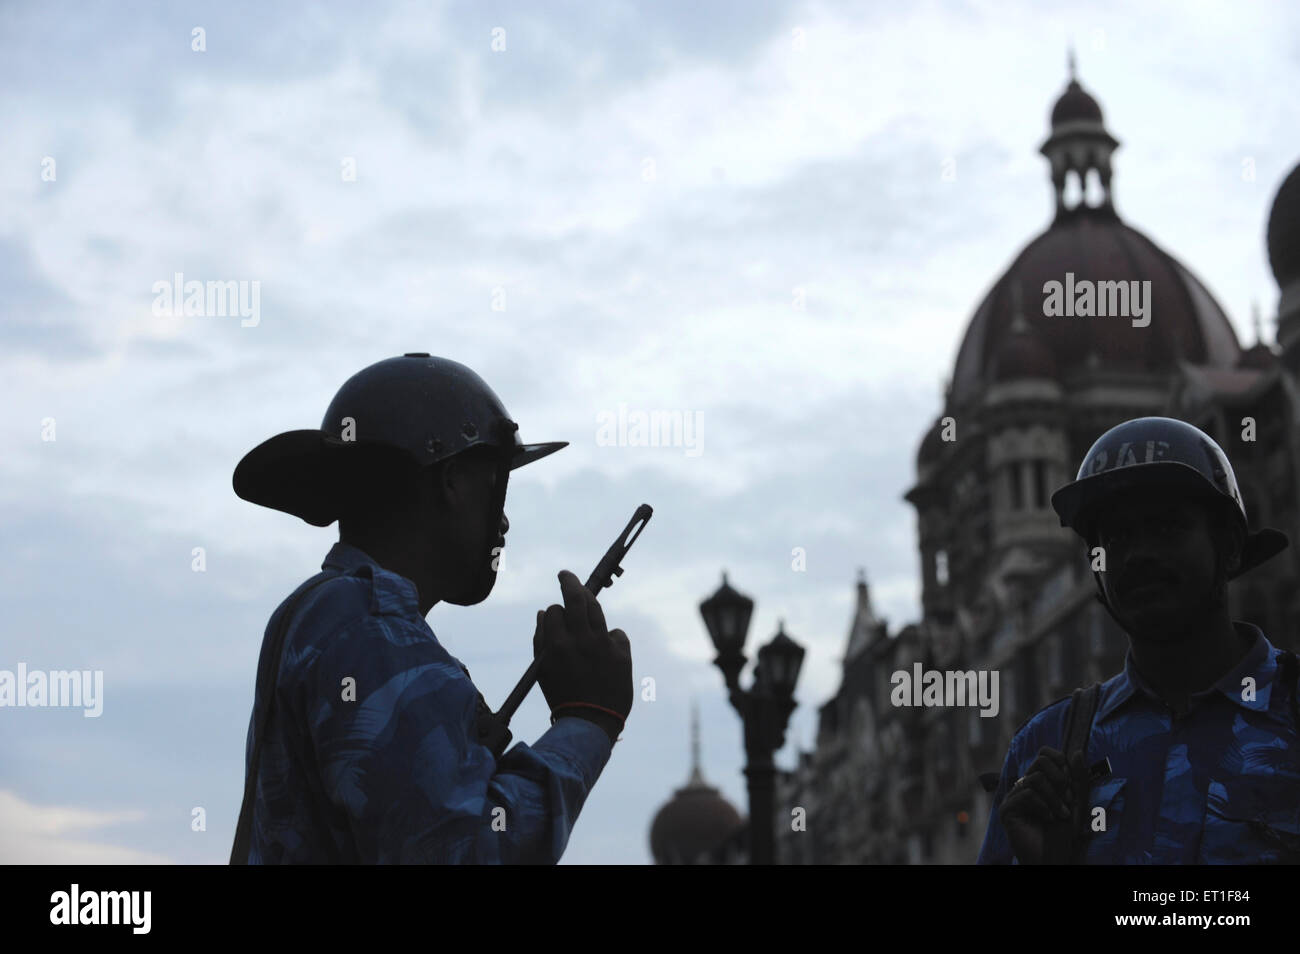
(1218, 785)
(397, 776)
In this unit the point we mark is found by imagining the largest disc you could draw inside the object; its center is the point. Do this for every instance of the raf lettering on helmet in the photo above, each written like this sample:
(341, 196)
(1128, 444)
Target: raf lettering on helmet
(1125, 456)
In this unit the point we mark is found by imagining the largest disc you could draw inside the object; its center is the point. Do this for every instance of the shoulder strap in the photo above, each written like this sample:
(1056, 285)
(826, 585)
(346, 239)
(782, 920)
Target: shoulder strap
(266, 688)
(1078, 720)
(1074, 738)
(1078, 728)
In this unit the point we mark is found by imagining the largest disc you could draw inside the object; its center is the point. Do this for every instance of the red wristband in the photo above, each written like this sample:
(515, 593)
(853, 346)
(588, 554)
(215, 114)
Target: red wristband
(589, 705)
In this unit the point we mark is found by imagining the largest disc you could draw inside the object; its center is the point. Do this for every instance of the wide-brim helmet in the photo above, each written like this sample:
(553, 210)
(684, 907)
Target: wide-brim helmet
(420, 406)
(1166, 453)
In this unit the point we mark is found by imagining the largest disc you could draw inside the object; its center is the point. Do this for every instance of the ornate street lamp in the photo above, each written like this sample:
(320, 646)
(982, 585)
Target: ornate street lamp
(726, 616)
(764, 708)
(779, 663)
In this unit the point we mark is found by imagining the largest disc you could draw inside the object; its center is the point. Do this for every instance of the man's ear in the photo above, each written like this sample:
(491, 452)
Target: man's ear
(445, 483)
(458, 479)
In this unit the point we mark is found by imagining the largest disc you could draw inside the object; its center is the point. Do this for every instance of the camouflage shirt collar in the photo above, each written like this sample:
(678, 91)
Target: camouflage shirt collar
(1259, 663)
(391, 594)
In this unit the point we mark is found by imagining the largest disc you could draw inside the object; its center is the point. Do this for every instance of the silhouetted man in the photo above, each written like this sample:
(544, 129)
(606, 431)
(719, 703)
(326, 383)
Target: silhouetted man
(363, 744)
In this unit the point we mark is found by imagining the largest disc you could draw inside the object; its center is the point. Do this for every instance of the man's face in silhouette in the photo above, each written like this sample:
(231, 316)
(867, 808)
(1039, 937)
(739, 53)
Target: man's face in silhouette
(1162, 559)
(467, 524)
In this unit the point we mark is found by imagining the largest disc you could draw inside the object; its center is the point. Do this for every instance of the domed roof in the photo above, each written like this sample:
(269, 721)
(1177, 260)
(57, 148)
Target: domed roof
(1075, 104)
(1284, 230)
(696, 819)
(1093, 244)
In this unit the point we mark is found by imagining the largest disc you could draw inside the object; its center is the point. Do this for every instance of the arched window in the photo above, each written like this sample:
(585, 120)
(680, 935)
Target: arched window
(1040, 484)
(1017, 486)
(1073, 191)
(1094, 192)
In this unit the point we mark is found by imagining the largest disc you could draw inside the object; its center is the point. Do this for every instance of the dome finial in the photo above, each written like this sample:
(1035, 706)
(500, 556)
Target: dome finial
(1070, 62)
(697, 777)
(1079, 147)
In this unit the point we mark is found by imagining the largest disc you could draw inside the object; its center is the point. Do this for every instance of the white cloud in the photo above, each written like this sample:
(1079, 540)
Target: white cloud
(32, 834)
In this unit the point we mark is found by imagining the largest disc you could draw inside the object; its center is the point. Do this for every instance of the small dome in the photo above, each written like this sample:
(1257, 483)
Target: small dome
(696, 820)
(1075, 104)
(1284, 231)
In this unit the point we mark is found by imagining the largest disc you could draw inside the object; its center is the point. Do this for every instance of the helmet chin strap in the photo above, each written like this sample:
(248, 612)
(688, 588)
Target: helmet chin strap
(498, 506)
(1091, 543)
(499, 492)
(1101, 598)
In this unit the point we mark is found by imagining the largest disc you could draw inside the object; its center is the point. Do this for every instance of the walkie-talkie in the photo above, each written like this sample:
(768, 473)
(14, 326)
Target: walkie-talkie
(493, 730)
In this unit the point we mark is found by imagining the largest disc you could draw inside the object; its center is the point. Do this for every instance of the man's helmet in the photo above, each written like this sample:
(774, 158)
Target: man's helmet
(1161, 452)
(424, 407)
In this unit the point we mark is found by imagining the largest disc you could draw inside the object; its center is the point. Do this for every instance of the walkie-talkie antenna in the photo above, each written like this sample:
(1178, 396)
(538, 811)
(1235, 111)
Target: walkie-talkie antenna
(492, 727)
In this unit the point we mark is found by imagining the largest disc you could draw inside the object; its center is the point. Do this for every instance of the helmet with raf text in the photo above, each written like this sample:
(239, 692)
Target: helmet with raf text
(1167, 453)
(420, 407)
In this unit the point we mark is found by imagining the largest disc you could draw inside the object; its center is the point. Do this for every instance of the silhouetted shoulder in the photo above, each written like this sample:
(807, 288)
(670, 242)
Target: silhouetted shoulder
(343, 597)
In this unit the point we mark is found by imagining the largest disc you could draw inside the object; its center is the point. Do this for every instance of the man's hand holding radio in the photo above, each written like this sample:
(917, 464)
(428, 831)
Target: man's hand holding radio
(585, 669)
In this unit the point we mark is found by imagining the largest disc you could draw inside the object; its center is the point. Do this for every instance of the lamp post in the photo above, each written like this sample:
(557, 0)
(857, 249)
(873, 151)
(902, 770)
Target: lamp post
(764, 708)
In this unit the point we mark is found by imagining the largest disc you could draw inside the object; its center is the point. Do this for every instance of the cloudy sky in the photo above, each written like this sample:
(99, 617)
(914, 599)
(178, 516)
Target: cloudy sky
(736, 210)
